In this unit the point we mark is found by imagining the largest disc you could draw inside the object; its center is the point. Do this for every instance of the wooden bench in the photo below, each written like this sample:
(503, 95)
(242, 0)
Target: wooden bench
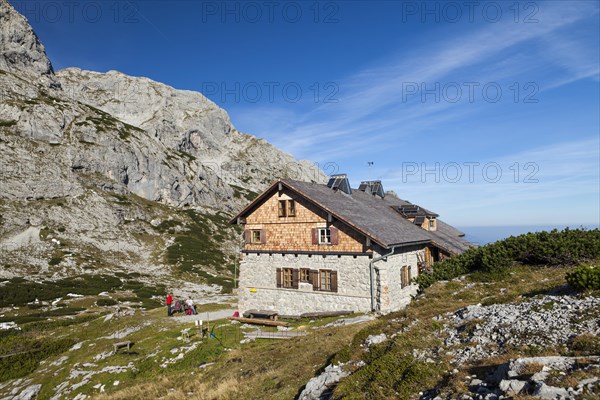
(121, 345)
(267, 314)
(260, 321)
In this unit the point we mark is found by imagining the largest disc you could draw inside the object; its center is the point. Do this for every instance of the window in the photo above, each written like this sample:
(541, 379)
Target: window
(405, 276)
(304, 275)
(324, 236)
(327, 236)
(282, 210)
(286, 208)
(431, 223)
(325, 280)
(287, 278)
(256, 236)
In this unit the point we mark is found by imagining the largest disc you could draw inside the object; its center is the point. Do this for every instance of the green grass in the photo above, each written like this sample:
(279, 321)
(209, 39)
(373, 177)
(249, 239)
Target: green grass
(239, 192)
(31, 317)
(18, 291)
(7, 124)
(199, 246)
(105, 122)
(29, 354)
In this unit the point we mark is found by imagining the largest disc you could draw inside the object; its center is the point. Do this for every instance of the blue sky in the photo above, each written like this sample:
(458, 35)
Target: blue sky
(487, 113)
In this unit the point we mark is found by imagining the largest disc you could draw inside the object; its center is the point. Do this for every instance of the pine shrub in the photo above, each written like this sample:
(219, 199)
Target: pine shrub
(554, 248)
(585, 277)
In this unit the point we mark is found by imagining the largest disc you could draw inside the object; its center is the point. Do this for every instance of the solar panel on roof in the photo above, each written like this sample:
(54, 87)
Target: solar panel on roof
(340, 182)
(372, 187)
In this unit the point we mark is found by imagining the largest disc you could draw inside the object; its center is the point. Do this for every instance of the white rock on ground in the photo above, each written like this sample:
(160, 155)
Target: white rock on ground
(317, 387)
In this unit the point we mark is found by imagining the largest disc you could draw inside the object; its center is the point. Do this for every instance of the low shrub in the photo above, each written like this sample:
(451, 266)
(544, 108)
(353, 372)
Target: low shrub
(584, 277)
(106, 302)
(567, 247)
(24, 363)
(586, 344)
(18, 291)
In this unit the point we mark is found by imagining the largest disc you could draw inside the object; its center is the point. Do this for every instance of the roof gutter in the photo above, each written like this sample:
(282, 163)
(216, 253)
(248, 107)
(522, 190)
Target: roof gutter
(372, 273)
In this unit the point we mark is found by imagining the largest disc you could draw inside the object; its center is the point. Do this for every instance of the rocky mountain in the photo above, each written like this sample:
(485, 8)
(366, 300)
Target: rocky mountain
(104, 170)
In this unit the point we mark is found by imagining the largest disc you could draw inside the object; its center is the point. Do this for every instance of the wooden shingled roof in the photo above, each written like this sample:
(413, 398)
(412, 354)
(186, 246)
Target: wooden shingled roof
(371, 215)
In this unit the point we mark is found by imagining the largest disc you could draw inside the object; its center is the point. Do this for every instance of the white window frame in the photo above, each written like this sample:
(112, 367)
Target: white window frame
(324, 235)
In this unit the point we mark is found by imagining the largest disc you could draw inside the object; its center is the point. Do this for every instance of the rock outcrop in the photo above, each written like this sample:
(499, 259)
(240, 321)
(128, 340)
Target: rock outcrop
(93, 158)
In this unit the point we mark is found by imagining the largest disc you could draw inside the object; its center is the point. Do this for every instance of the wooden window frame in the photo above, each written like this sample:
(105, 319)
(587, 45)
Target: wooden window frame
(325, 280)
(305, 275)
(287, 278)
(331, 280)
(405, 276)
(286, 208)
(282, 209)
(256, 236)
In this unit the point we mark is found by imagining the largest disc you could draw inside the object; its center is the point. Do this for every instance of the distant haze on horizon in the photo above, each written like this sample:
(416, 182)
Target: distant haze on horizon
(482, 235)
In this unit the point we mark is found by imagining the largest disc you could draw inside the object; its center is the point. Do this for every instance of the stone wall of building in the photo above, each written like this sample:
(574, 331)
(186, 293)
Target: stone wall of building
(258, 283)
(394, 297)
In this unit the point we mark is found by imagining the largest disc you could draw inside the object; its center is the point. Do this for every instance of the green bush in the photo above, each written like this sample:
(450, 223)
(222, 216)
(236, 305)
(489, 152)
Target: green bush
(390, 375)
(25, 361)
(106, 302)
(585, 277)
(553, 248)
(18, 291)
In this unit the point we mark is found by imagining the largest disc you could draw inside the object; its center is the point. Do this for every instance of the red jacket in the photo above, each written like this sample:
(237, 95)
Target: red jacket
(169, 299)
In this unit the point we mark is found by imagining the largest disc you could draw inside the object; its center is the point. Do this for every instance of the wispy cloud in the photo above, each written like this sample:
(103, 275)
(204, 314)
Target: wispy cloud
(560, 180)
(374, 105)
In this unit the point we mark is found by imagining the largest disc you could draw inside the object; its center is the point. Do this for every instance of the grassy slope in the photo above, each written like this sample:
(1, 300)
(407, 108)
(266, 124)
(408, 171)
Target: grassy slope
(279, 369)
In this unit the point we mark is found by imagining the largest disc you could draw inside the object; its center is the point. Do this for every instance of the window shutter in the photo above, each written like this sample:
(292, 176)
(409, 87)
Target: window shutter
(295, 278)
(334, 281)
(409, 274)
(334, 235)
(278, 274)
(263, 236)
(315, 236)
(247, 236)
(314, 278)
(402, 277)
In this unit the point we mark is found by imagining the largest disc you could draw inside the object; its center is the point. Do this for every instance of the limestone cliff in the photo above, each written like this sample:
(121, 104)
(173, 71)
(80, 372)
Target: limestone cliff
(99, 162)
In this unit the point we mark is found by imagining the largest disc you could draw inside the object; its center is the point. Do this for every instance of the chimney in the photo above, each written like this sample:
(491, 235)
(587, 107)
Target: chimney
(339, 182)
